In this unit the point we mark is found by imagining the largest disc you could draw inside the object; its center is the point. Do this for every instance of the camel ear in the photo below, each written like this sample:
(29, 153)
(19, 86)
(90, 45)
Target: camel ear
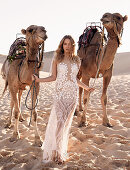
(125, 18)
(23, 31)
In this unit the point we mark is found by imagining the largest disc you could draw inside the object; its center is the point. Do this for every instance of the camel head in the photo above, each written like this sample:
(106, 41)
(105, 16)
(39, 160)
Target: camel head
(110, 21)
(35, 35)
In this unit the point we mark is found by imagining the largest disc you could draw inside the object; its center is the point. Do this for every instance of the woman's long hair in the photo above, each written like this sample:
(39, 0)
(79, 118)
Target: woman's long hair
(60, 51)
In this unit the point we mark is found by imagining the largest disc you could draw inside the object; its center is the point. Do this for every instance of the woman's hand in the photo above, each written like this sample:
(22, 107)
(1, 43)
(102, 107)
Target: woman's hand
(34, 77)
(84, 86)
(90, 89)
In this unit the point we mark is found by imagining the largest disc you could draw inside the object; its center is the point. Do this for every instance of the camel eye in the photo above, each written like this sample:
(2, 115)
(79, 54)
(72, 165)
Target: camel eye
(118, 17)
(30, 30)
(105, 16)
(43, 28)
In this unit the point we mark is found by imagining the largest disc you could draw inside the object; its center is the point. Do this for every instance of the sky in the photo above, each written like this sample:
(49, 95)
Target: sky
(59, 17)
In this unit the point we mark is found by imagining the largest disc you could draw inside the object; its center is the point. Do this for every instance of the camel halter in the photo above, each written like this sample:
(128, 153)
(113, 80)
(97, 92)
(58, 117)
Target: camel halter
(40, 53)
(117, 32)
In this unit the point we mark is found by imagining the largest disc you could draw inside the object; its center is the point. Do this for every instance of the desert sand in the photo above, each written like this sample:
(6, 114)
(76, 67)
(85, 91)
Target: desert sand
(94, 147)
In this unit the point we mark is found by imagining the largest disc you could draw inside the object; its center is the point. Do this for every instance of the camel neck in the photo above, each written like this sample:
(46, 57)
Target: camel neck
(31, 52)
(109, 54)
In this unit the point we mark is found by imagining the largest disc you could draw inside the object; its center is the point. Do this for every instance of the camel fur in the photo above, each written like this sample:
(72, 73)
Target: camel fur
(17, 81)
(113, 24)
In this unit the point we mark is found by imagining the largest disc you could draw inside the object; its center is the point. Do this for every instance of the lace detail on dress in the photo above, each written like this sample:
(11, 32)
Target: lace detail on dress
(66, 83)
(65, 101)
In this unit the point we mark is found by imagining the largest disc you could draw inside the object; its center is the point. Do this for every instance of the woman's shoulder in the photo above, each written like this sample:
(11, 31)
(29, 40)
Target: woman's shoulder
(54, 59)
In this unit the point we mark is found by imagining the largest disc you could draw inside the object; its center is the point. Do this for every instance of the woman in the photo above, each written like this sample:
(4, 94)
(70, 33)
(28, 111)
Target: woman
(65, 67)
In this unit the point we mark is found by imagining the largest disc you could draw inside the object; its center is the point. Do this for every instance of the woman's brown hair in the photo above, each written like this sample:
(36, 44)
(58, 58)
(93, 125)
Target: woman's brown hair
(60, 51)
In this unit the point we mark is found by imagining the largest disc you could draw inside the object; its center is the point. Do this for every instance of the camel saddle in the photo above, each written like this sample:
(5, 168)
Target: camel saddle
(17, 50)
(88, 34)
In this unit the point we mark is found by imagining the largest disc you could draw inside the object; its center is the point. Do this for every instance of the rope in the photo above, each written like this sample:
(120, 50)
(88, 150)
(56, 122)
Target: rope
(116, 32)
(34, 91)
(33, 85)
(101, 44)
(88, 96)
(41, 55)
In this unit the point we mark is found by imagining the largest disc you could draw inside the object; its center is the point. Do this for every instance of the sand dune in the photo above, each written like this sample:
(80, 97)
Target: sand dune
(121, 62)
(94, 147)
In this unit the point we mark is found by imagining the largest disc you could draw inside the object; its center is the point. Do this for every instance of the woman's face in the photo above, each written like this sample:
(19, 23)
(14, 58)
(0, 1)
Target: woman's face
(67, 46)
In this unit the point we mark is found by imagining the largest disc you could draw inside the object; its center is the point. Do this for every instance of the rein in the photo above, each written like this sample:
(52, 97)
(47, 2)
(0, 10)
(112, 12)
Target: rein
(118, 35)
(41, 55)
(101, 45)
(33, 83)
(34, 91)
(100, 61)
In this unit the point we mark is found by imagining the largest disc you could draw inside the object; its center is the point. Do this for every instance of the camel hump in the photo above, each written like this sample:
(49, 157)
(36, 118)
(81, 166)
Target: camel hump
(17, 48)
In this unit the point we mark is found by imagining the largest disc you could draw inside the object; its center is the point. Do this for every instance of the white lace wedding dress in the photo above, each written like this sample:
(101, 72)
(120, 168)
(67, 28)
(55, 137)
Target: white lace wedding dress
(65, 101)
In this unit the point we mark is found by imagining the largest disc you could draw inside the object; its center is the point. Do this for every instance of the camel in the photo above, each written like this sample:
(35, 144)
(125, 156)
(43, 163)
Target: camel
(19, 75)
(96, 53)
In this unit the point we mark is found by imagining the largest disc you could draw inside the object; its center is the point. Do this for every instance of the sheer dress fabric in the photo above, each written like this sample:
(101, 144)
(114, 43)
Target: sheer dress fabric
(60, 120)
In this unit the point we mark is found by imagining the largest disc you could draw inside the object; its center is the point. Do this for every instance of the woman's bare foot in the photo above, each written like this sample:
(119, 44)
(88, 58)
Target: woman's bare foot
(57, 158)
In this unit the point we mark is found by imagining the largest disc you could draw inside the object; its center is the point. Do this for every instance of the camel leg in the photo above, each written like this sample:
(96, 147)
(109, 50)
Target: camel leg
(8, 125)
(16, 114)
(80, 102)
(106, 81)
(80, 91)
(80, 99)
(21, 119)
(85, 101)
(38, 141)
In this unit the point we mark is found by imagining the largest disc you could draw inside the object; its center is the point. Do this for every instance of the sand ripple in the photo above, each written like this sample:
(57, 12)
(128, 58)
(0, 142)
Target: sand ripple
(92, 147)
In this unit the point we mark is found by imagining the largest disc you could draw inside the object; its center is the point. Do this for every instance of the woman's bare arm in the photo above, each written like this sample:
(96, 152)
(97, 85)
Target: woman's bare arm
(50, 78)
(84, 86)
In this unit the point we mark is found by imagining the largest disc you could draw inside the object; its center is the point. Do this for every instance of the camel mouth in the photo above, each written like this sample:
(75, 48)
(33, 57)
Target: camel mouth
(104, 22)
(45, 37)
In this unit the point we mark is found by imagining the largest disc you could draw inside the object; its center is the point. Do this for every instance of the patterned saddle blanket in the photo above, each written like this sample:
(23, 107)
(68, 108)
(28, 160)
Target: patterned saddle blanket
(86, 37)
(18, 48)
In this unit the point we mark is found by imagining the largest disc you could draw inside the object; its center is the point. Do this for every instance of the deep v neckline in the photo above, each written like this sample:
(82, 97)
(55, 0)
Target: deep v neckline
(68, 65)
